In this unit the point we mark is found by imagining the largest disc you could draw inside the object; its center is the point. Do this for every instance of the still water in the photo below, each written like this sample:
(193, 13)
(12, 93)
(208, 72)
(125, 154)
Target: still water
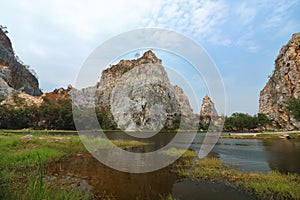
(251, 155)
(260, 155)
(85, 172)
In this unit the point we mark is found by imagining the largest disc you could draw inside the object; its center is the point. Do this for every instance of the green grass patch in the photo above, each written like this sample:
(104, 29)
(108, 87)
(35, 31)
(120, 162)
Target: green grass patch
(95, 143)
(265, 186)
(21, 159)
(174, 152)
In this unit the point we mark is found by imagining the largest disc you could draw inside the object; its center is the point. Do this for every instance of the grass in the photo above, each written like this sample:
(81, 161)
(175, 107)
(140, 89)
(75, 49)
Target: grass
(21, 169)
(21, 165)
(265, 186)
(22, 160)
(259, 136)
(174, 152)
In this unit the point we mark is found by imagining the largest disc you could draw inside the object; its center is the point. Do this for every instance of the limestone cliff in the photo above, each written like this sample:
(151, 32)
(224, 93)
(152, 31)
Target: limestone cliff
(139, 95)
(208, 110)
(282, 85)
(13, 74)
(18, 99)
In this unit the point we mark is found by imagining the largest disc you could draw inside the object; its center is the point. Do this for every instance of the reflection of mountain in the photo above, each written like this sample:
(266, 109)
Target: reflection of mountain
(105, 180)
(283, 155)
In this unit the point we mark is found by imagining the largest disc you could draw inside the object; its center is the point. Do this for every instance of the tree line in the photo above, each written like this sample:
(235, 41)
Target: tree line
(59, 116)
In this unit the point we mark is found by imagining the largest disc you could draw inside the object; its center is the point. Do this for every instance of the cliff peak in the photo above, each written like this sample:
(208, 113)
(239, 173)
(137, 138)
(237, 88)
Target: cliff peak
(149, 55)
(282, 85)
(208, 107)
(14, 75)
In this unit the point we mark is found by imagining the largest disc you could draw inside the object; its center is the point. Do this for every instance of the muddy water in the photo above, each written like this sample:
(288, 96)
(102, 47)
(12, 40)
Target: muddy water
(104, 180)
(84, 172)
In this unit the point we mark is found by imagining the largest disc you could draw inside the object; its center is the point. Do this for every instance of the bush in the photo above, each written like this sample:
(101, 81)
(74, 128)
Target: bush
(242, 121)
(293, 106)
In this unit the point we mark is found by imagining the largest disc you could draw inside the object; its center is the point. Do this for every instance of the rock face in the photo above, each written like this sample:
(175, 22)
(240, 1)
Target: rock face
(58, 95)
(282, 85)
(139, 95)
(208, 107)
(13, 74)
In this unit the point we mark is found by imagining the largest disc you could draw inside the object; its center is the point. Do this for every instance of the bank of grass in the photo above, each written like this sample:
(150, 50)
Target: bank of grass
(273, 185)
(259, 136)
(174, 152)
(22, 160)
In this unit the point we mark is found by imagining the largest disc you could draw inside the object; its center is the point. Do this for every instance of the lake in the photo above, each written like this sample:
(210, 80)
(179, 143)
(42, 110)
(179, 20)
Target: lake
(85, 172)
(253, 155)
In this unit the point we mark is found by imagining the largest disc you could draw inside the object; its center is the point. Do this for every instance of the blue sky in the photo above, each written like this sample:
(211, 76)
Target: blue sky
(243, 38)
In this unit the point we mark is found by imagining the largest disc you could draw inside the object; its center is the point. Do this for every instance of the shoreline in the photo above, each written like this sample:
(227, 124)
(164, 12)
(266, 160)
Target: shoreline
(232, 135)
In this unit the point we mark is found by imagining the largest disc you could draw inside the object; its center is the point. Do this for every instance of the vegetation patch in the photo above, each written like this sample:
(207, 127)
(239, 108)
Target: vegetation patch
(273, 185)
(174, 152)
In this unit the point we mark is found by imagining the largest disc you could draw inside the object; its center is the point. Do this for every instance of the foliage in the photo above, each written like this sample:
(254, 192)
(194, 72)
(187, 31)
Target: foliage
(50, 115)
(293, 106)
(22, 167)
(242, 121)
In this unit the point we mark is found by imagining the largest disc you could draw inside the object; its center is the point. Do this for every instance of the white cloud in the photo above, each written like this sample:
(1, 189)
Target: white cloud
(90, 19)
(246, 13)
(197, 19)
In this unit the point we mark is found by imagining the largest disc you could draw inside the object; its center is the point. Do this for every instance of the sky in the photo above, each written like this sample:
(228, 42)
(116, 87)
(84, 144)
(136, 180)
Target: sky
(243, 38)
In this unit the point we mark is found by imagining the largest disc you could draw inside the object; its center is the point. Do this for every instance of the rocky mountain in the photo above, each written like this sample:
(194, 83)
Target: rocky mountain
(208, 107)
(13, 74)
(139, 95)
(208, 110)
(282, 85)
(18, 99)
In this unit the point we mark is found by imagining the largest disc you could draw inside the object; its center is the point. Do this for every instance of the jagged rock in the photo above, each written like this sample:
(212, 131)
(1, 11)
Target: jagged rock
(19, 99)
(139, 95)
(208, 110)
(15, 75)
(183, 102)
(282, 85)
(208, 107)
(58, 95)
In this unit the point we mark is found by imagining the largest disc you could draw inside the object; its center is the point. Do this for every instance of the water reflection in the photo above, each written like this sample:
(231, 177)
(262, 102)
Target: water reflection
(104, 180)
(260, 155)
(84, 172)
(283, 155)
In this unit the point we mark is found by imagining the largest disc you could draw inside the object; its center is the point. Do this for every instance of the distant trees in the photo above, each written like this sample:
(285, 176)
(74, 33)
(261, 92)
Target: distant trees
(46, 116)
(293, 106)
(242, 121)
(50, 115)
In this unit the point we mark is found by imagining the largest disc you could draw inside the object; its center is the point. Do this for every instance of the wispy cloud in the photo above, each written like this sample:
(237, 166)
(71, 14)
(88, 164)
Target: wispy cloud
(197, 19)
(246, 13)
(279, 13)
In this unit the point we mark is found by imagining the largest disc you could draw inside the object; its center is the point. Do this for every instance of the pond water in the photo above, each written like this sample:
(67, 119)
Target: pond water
(260, 155)
(85, 172)
(253, 155)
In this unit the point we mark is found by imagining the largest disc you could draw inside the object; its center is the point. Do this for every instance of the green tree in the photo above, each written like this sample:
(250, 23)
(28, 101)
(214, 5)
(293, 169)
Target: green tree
(263, 120)
(293, 106)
